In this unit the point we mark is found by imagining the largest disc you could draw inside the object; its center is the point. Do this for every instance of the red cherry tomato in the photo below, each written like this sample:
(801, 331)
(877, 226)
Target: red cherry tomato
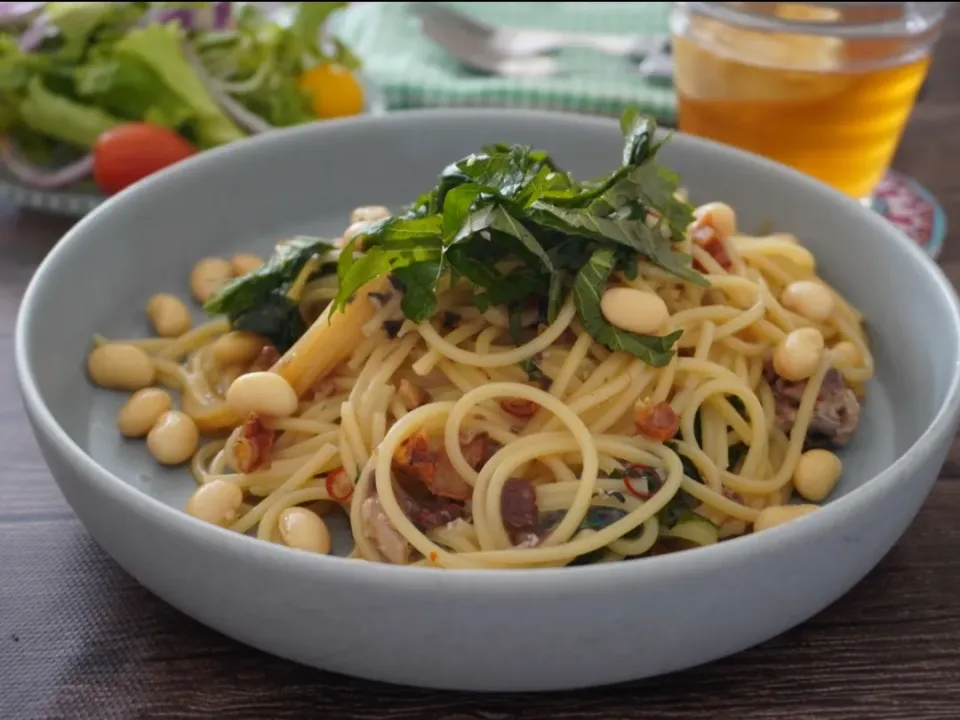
(129, 153)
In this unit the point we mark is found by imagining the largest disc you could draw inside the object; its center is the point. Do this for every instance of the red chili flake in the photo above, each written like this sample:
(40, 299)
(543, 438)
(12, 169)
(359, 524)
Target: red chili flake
(433, 556)
(657, 421)
(331, 483)
(633, 491)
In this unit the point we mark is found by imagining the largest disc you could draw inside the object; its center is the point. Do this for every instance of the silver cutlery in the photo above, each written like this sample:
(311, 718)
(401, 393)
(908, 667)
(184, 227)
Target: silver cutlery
(525, 52)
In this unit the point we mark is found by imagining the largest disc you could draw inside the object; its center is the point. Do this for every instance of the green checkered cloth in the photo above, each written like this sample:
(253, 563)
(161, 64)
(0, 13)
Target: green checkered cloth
(412, 71)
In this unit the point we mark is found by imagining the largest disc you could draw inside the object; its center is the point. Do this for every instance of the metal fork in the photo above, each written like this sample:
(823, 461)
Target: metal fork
(511, 51)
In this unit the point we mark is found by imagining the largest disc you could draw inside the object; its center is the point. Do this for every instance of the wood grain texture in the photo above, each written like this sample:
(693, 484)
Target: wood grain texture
(78, 638)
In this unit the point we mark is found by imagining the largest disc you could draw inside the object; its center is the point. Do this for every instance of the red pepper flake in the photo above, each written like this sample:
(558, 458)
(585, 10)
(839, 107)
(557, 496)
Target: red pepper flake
(657, 421)
(633, 491)
(331, 482)
(433, 556)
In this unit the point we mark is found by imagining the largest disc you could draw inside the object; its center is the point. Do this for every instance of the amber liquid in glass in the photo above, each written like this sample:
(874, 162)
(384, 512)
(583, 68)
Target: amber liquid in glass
(747, 90)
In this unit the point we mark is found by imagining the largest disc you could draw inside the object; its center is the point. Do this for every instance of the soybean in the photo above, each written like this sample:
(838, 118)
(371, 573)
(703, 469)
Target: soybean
(142, 410)
(369, 213)
(304, 530)
(174, 438)
(816, 474)
(244, 263)
(168, 314)
(780, 514)
(208, 276)
(809, 299)
(120, 367)
(237, 348)
(634, 310)
(798, 354)
(720, 216)
(216, 502)
(264, 393)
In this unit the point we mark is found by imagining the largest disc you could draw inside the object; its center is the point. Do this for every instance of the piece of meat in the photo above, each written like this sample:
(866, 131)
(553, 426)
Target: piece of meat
(426, 511)
(251, 450)
(518, 507)
(423, 459)
(477, 448)
(377, 528)
(835, 415)
(657, 421)
(706, 237)
(518, 407)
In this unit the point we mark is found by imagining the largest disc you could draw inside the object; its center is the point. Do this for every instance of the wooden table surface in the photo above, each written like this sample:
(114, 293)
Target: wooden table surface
(80, 639)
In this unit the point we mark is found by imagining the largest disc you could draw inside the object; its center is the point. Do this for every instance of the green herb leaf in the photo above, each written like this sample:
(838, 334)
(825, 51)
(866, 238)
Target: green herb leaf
(248, 292)
(275, 317)
(419, 288)
(382, 259)
(587, 288)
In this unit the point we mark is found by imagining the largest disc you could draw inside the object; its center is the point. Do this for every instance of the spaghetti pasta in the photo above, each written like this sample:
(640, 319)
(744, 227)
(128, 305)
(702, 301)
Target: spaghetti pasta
(510, 435)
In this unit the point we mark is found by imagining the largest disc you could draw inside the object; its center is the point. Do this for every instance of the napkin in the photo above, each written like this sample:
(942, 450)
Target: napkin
(412, 71)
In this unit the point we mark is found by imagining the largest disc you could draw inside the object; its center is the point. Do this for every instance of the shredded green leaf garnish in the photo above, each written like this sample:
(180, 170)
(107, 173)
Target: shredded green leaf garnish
(523, 231)
(258, 301)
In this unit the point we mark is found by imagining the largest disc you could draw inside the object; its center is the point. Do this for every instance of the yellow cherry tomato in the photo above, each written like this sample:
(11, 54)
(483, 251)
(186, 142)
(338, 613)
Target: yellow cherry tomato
(333, 89)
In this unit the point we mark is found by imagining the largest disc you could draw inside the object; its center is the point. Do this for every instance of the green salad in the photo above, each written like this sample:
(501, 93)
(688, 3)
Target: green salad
(113, 91)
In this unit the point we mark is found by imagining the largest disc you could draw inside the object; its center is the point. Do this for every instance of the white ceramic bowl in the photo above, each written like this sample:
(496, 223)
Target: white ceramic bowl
(474, 630)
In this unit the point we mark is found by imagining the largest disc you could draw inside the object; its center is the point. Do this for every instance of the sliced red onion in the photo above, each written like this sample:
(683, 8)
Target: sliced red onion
(245, 118)
(217, 16)
(34, 35)
(14, 13)
(38, 177)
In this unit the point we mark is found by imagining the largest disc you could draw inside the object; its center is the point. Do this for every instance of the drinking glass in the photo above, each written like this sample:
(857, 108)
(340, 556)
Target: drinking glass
(823, 87)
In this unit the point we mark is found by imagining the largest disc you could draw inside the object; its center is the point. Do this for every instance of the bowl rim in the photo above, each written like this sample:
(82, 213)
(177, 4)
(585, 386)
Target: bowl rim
(495, 579)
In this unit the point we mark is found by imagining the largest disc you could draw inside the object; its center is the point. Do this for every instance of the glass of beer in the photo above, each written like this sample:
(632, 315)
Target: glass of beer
(823, 87)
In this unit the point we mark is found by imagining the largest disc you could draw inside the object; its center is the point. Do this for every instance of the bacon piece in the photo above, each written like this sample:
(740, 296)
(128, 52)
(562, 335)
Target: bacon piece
(518, 508)
(252, 448)
(518, 407)
(656, 421)
(418, 458)
(703, 234)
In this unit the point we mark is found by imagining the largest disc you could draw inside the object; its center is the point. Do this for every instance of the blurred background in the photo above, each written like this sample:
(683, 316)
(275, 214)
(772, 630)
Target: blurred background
(96, 95)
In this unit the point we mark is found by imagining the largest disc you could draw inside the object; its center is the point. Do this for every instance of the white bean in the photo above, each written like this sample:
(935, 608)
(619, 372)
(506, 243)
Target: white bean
(237, 348)
(634, 310)
(142, 410)
(816, 474)
(243, 263)
(846, 353)
(120, 367)
(264, 393)
(810, 299)
(798, 354)
(778, 514)
(174, 438)
(216, 502)
(720, 216)
(369, 213)
(168, 314)
(208, 276)
(304, 530)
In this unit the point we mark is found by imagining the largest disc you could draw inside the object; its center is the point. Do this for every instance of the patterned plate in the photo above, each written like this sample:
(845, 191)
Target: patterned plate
(913, 209)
